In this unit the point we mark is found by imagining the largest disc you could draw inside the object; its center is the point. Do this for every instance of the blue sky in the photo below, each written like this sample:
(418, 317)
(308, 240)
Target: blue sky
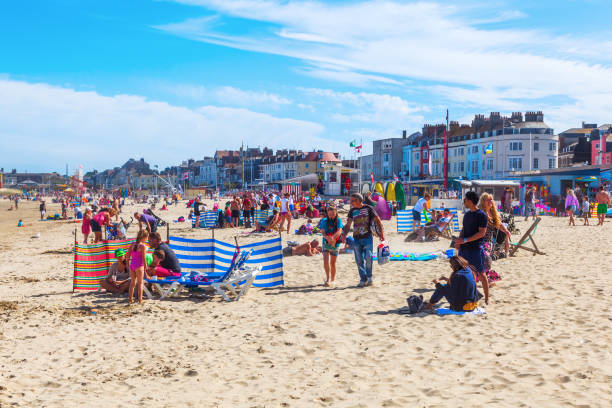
(97, 82)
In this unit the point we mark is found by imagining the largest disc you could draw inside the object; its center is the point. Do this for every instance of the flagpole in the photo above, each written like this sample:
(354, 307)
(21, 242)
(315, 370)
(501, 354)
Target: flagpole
(360, 156)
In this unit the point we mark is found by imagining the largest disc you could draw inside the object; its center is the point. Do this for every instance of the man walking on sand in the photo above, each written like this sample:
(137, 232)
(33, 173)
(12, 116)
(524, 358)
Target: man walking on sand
(603, 201)
(360, 216)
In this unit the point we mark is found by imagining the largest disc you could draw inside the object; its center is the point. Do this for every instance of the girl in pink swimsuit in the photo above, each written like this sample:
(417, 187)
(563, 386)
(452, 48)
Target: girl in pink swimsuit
(137, 259)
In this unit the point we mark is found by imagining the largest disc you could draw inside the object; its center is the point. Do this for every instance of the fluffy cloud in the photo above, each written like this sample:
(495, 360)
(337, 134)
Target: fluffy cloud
(227, 96)
(364, 107)
(457, 52)
(51, 126)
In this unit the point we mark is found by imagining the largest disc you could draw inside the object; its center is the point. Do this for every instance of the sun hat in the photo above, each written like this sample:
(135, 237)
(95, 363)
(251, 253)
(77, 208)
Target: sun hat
(119, 252)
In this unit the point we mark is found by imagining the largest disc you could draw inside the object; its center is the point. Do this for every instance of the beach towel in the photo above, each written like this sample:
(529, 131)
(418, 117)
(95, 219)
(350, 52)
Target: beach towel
(409, 256)
(444, 312)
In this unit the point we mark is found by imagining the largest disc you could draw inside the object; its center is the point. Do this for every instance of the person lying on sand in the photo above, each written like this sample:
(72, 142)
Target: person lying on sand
(118, 278)
(308, 249)
(460, 289)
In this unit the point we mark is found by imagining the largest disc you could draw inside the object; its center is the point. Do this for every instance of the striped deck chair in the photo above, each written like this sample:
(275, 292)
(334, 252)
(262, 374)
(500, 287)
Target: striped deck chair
(454, 227)
(231, 284)
(92, 262)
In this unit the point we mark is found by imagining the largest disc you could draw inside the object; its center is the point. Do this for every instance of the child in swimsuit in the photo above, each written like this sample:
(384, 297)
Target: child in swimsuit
(137, 259)
(86, 226)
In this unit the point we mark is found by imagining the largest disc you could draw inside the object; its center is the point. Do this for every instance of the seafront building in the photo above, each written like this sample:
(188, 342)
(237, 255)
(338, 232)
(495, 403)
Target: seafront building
(490, 147)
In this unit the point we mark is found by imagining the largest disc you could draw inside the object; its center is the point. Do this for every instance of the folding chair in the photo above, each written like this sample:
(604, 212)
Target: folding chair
(527, 237)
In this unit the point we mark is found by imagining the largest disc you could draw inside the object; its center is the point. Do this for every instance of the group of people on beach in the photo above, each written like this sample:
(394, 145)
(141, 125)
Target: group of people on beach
(131, 268)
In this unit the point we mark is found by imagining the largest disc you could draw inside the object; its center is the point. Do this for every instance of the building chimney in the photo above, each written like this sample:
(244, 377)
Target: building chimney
(403, 134)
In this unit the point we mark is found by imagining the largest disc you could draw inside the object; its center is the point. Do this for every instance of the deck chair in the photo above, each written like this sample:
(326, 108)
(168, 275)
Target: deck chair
(446, 231)
(527, 237)
(234, 283)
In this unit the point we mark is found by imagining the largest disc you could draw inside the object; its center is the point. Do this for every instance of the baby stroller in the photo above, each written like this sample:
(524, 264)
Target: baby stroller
(508, 220)
(160, 222)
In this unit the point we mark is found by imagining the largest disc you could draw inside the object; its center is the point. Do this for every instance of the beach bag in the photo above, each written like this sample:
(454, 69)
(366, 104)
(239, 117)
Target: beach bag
(415, 303)
(383, 253)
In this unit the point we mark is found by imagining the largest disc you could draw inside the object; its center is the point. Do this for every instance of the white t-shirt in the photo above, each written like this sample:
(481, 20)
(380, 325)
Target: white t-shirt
(418, 207)
(586, 206)
(284, 207)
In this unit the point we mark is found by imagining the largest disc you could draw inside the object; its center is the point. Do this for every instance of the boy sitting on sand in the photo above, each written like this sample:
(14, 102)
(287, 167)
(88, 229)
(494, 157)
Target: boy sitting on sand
(460, 289)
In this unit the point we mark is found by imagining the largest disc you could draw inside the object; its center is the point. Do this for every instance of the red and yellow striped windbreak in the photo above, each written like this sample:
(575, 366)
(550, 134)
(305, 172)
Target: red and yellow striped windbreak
(91, 262)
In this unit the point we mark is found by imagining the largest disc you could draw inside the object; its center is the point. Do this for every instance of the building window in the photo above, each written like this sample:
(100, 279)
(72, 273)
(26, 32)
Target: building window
(516, 146)
(461, 167)
(489, 164)
(425, 168)
(474, 166)
(306, 165)
(536, 163)
(386, 157)
(455, 167)
(515, 163)
(416, 169)
(424, 154)
(552, 146)
(551, 163)
(475, 149)
(536, 147)
(460, 151)
(416, 156)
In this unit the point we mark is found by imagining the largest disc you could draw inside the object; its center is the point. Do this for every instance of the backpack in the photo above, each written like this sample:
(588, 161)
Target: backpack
(415, 303)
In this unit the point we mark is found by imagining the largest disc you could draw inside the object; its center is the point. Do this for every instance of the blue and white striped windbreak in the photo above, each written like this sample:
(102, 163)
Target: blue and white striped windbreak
(213, 257)
(405, 222)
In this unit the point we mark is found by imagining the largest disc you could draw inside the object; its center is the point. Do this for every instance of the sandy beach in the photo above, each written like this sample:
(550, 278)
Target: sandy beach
(545, 340)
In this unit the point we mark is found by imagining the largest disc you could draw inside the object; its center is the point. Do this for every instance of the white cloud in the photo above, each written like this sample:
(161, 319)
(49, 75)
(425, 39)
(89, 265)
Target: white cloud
(228, 96)
(473, 62)
(51, 126)
(370, 108)
(235, 96)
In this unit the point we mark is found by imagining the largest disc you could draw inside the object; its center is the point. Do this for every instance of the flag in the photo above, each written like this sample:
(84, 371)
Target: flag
(358, 148)
(185, 175)
(489, 149)
(395, 177)
(372, 177)
(353, 143)
(430, 165)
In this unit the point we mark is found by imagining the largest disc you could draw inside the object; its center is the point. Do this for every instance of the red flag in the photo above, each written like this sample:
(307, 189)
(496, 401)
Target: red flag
(358, 148)
(372, 177)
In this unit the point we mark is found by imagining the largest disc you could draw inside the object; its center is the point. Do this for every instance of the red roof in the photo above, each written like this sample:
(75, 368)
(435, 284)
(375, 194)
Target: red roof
(324, 156)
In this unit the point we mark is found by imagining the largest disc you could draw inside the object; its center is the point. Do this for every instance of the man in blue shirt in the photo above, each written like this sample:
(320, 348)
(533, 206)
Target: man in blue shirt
(469, 243)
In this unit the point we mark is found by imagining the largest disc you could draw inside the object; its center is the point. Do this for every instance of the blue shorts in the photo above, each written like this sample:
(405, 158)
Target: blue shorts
(475, 258)
(416, 216)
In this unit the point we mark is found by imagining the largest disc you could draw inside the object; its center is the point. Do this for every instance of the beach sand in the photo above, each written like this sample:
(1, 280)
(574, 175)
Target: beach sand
(545, 340)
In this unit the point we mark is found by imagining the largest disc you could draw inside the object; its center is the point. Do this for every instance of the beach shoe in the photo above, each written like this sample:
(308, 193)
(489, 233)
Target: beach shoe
(370, 282)
(361, 284)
